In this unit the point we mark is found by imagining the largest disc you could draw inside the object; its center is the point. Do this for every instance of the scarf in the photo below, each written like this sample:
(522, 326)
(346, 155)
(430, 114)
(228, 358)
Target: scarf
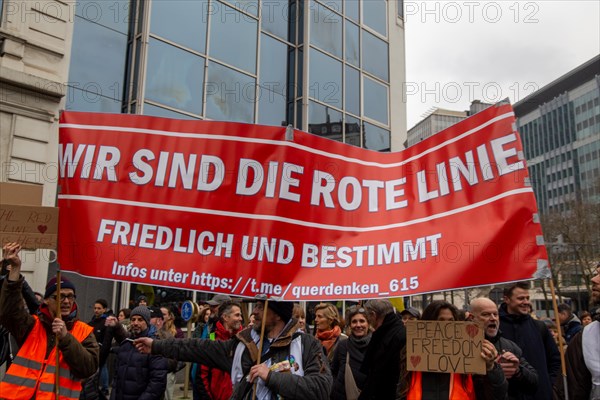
(358, 346)
(329, 338)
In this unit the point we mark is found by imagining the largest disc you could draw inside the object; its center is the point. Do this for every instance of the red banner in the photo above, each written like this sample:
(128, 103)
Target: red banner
(244, 209)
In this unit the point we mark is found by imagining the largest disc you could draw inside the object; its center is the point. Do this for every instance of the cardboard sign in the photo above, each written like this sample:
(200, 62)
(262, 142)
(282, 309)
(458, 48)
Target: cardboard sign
(21, 193)
(446, 347)
(34, 227)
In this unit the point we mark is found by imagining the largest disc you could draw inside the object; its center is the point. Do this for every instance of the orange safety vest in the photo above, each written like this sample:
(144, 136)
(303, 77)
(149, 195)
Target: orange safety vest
(31, 374)
(457, 391)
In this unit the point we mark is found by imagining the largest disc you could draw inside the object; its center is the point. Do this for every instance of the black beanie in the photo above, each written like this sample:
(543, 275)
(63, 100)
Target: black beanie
(51, 286)
(282, 308)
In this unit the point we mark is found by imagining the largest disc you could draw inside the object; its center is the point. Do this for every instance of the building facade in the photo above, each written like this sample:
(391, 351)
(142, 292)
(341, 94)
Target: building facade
(333, 68)
(560, 129)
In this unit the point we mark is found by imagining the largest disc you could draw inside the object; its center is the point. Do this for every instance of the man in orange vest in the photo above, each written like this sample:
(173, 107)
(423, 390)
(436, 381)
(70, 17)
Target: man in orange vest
(33, 371)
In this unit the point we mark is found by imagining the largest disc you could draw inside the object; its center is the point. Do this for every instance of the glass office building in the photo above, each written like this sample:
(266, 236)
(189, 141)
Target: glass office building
(332, 68)
(560, 128)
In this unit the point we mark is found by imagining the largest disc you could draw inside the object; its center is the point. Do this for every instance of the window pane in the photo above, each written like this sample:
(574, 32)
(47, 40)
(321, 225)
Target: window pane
(352, 47)
(276, 17)
(375, 56)
(228, 27)
(273, 64)
(249, 6)
(375, 101)
(351, 10)
(230, 95)
(374, 15)
(326, 29)
(151, 109)
(271, 108)
(325, 78)
(376, 138)
(98, 59)
(181, 21)
(111, 14)
(324, 121)
(335, 5)
(174, 77)
(90, 101)
(352, 93)
(352, 131)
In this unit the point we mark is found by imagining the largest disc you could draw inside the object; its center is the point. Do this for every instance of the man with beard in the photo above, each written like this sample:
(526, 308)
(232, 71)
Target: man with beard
(137, 376)
(217, 382)
(532, 336)
(583, 356)
(293, 364)
(32, 373)
(521, 376)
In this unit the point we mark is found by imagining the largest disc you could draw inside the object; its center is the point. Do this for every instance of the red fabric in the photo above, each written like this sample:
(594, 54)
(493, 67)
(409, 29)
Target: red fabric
(217, 382)
(328, 338)
(458, 392)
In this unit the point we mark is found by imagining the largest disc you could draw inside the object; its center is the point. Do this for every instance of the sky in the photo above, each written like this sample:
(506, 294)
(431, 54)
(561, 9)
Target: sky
(459, 51)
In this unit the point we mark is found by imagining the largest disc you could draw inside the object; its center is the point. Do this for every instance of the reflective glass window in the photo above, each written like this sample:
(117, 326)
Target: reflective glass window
(324, 121)
(352, 51)
(375, 15)
(98, 59)
(271, 108)
(230, 95)
(375, 56)
(326, 29)
(336, 5)
(273, 64)
(376, 138)
(353, 128)
(111, 14)
(174, 77)
(276, 18)
(233, 38)
(181, 21)
(376, 100)
(351, 9)
(325, 78)
(90, 101)
(352, 93)
(155, 111)
(248, 6)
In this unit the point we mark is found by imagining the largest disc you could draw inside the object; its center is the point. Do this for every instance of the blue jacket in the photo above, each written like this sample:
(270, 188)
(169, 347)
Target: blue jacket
(138, 376)
(571, 328)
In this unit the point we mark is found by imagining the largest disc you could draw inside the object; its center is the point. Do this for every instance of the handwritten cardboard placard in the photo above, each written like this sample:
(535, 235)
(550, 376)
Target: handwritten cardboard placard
(34, 227)
(446, 347)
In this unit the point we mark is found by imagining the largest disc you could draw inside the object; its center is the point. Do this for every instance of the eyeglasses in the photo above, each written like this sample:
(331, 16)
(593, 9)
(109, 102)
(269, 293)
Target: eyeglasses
(69, 297)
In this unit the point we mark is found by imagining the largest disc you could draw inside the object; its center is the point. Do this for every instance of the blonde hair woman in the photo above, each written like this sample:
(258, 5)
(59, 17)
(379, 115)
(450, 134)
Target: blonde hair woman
(328, 327)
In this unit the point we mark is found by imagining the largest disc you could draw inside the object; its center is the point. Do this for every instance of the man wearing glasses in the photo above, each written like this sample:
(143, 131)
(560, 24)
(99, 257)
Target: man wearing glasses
(37, 335)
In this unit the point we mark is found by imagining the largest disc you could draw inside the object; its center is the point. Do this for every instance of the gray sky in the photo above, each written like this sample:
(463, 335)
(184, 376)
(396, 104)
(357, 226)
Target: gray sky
(458, 51)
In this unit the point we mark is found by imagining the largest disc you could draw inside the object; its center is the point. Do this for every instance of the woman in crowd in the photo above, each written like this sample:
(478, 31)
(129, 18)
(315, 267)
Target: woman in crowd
(443, 386)
(328, 326)
(169, 325)
(300, 315)
(123, 317)
(349, 356)
(203, 316)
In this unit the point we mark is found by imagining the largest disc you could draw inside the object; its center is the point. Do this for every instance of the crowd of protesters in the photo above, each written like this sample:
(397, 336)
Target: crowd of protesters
(273, 354)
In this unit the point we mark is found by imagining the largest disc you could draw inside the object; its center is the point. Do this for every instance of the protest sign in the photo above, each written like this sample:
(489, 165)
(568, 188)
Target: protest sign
(23, 220)
(446, 347)
(238, 209)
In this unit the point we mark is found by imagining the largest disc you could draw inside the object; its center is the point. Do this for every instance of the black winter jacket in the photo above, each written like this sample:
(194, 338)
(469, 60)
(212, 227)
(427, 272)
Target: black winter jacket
(137, 376)
(381, 363)
(338, 366)
(525, 382)
(538, 346)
